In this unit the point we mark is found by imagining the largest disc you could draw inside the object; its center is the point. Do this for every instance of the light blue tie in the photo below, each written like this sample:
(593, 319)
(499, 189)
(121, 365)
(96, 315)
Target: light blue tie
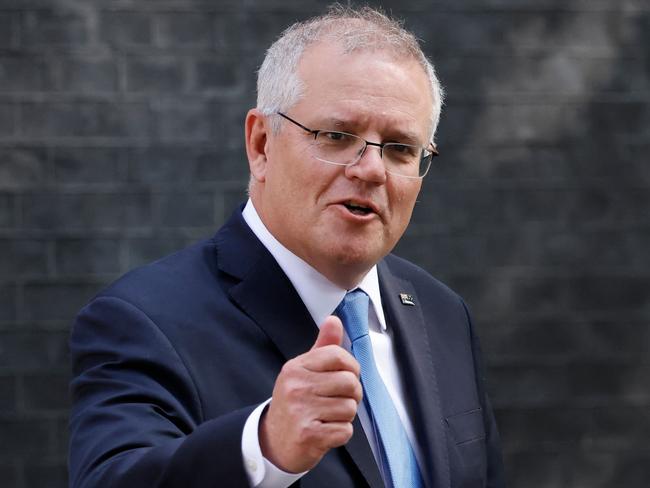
(396, 450)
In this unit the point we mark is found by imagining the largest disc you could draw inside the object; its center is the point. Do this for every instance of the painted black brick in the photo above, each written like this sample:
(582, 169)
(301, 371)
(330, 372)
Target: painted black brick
(155, 75)
(54, 301)
(82, 211)
(8, 119)
(84, 119)
(45, 392)
(187, 209)
(22, 74)
(8, 294)
(121, 129)
(7, 394)
(23, 166)
(6, 29)
(26, 350)
(22, 258)
(186, 29)
(52, 475)
(76, 257)
(87, 164)
(53, 27)
(30, 437)
(126, 28)
(79, 75)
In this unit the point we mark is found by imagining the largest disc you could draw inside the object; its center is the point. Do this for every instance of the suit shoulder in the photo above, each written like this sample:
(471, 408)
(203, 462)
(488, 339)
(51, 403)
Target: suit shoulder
(181, 273)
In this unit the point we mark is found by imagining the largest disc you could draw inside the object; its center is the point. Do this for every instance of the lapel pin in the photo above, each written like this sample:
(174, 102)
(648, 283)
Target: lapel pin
(407, 299)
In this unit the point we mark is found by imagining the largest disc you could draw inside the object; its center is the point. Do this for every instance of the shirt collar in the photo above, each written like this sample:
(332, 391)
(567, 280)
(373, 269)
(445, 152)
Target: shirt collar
(320, 295)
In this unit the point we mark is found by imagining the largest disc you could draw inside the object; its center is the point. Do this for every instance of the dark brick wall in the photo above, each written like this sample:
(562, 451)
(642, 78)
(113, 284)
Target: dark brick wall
(121, 140)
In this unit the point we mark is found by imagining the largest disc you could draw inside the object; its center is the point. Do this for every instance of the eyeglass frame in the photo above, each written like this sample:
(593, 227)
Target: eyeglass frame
(434, 149)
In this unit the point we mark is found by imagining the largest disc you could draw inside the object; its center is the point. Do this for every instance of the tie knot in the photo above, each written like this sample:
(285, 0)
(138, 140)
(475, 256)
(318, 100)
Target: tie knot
(353, 312)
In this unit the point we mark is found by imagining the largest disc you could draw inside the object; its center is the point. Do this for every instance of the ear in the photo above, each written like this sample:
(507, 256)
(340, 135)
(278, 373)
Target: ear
(257, 130)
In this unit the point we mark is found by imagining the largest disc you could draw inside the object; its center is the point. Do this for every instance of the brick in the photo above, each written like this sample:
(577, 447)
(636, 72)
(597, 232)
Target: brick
(126, 28)
(7, 120)
(521, 385)
(558, 336)
(222, 164)
(186, 29)
(23, 257)
(21, 74)
(6, 29)
(55, 301)
(7, 209)
(187, 209)
(537, 469)
(189, 121)
(611, 118)
(61, 437)
(519, 29)
(146, 250)
(162, 164)
(88, 76)
(38, 475)
(625, 427)
(7, 394)
(217, 75)
(228, 125)
(46, 392)
(602, 469)
(8, 474)
(627, 340)
(535, 427)
(154, 75)
(29, 436)
(54, 27)
(261, 30)
(23, 166)
(86, 211)
(588, 383)
(480, 291)
(87, 164)
(530, 339)
(34, 350)
(597, 382)
(7, 302)
(87, 256)
(85, 119)
(607, 292)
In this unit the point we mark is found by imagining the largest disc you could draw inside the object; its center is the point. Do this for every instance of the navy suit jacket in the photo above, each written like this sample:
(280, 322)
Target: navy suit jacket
(171, 359)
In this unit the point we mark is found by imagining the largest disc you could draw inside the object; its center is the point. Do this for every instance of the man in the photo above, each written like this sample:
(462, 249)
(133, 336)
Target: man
(292, 346)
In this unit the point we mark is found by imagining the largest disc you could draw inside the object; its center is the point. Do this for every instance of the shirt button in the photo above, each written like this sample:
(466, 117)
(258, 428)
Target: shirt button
(251, 464)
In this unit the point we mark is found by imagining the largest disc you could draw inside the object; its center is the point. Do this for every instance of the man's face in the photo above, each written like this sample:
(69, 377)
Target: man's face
(304, 202)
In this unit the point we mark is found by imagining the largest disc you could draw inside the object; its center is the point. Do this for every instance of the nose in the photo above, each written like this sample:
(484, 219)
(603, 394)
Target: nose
(369, 166)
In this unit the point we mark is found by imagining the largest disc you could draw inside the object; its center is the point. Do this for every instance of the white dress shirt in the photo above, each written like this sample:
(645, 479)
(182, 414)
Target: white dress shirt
(321, 297)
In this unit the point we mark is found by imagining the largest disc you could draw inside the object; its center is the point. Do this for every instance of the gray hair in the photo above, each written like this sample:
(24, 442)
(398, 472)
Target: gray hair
(278, 84)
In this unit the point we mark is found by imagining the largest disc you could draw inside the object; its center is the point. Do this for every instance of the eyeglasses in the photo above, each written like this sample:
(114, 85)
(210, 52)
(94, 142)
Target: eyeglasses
(344, 149)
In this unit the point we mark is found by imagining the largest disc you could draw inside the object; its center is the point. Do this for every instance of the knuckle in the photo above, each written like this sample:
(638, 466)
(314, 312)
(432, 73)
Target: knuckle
(342, 434)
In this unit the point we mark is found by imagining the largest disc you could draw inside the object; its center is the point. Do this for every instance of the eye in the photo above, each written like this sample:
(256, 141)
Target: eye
(334, 136)
(403, 150)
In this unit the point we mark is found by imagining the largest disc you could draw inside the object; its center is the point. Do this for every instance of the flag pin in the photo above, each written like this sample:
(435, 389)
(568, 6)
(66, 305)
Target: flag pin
(407, 299)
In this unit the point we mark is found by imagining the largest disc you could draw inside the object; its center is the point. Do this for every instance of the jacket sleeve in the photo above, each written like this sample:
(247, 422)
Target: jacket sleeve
(137, 418)
(495, 470)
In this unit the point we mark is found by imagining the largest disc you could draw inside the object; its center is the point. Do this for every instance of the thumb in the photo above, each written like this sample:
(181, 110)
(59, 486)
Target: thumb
(331, 332)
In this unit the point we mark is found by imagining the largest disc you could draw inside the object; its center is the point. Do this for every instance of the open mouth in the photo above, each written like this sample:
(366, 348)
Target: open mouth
(357, 209)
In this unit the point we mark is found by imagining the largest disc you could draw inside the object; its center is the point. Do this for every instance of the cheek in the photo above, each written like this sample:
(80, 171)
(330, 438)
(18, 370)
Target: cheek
(403, 199)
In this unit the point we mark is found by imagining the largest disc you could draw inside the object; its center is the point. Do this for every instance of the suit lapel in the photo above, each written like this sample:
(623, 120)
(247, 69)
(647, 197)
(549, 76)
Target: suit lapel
(268, 297)
(419, 372)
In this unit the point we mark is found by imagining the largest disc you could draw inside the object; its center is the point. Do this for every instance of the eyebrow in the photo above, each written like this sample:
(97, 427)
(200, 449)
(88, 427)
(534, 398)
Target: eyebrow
(396, 135)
